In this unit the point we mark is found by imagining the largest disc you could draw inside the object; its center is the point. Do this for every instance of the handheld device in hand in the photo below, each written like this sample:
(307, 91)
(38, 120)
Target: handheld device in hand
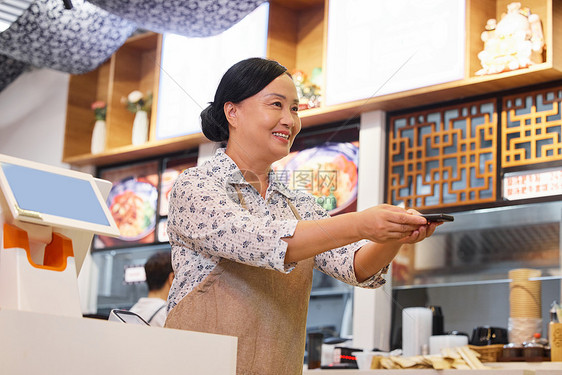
(438, 217)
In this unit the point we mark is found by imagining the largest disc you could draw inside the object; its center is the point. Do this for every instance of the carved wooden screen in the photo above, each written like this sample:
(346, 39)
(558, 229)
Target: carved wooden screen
(443, 157)
(531, 128)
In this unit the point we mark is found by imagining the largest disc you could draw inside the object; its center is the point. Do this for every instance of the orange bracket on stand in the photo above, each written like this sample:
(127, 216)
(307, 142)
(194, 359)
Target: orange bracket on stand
(56, 252)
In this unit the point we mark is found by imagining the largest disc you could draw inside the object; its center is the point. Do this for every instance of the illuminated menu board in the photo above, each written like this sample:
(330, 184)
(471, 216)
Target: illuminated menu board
(381, 47)
(535, 184)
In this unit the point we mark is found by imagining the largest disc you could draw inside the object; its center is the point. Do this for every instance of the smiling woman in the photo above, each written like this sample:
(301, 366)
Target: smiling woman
(263, 128)
(244, 246)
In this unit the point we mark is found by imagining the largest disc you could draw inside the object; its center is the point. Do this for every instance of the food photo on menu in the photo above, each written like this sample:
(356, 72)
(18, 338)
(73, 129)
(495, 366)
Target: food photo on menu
(327, 171)
(173, 168)
(132, 202)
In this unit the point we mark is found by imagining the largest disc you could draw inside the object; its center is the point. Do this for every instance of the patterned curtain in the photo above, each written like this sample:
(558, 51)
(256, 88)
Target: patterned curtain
(78, 40)
(195, 18)
(11, 69)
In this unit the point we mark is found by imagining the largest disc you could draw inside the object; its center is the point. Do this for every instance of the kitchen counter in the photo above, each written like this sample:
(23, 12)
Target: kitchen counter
(501, 368)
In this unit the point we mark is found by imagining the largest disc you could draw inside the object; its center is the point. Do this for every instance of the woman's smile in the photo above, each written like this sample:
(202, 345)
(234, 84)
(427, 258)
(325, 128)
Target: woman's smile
(282, 136)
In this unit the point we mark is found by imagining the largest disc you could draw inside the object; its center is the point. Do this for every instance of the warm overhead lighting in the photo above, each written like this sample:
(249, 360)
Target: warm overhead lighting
(10, 10)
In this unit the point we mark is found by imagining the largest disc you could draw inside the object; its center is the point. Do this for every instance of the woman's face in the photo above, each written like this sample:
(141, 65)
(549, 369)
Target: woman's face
(267, 123)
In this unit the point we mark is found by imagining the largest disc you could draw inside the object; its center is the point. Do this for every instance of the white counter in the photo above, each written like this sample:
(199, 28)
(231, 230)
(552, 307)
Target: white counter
(32, 343)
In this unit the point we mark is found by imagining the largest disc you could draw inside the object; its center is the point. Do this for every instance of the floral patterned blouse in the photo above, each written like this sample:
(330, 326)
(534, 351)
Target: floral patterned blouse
(206, 222)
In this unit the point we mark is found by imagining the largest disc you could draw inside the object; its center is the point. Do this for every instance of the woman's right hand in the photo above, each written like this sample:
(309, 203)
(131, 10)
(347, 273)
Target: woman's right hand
(385, 223)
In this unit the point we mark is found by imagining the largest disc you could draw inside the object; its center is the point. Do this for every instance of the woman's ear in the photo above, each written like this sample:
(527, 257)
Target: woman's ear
(231, 112)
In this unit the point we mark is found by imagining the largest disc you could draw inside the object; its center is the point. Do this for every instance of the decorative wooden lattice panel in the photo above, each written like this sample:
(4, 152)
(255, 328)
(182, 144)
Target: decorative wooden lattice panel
(531, 128)
(443, 157)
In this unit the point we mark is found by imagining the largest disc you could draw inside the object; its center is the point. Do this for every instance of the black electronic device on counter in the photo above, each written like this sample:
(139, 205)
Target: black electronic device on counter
(340, 366)
(486, 335)
(345, 359)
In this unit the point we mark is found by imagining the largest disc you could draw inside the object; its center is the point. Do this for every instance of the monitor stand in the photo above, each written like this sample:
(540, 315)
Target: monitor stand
(38, 271)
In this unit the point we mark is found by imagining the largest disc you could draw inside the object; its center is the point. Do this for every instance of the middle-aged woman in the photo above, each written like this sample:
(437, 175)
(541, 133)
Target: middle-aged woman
(244, 246)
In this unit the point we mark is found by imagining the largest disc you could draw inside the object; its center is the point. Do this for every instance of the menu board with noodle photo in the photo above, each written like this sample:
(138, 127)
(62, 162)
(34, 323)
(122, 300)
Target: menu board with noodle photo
(132, 202)
(327, 171)
(173, 168)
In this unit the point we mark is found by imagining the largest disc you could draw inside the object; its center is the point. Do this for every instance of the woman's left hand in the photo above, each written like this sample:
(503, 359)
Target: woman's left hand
(422, 232)
(373, 256)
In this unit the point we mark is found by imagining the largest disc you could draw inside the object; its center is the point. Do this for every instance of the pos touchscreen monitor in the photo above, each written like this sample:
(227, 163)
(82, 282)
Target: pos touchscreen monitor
(57, 197)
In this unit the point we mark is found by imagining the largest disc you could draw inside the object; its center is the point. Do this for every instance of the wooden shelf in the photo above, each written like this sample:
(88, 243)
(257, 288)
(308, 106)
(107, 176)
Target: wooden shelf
(133, 67)
(432, 94)
(297, 38)
(130, 152)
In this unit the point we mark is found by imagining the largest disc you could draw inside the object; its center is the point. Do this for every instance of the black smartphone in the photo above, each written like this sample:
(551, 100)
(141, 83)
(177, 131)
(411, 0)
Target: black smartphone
(438, 217)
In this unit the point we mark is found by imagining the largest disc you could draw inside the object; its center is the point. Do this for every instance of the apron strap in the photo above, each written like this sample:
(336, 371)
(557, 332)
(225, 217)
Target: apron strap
(294, 209)
(243, 203)
(240, 197)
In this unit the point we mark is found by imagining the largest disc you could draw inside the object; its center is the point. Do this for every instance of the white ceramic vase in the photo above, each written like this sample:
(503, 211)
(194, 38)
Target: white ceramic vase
(140, 128)
(98, 137)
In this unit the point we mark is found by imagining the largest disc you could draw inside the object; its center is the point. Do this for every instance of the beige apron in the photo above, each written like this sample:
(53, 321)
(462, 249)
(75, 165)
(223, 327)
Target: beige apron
(265, 309)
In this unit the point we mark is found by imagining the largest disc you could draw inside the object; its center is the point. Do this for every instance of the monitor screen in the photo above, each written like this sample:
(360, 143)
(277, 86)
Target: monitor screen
(54, 196)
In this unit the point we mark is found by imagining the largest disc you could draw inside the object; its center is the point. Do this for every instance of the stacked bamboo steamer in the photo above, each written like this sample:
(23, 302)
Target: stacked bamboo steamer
(525, 305)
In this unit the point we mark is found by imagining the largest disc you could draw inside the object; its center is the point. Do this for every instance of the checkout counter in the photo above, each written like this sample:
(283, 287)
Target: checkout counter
(544, 368)
(47, 220)
(48, 217)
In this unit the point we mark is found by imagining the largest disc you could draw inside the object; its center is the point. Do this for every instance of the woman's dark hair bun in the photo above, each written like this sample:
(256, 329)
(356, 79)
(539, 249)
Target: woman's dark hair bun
(241, 81)
(214, 127)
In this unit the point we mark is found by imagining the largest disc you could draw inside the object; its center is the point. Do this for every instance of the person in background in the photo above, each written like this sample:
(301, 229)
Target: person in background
(159, 277)
(244, 245)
